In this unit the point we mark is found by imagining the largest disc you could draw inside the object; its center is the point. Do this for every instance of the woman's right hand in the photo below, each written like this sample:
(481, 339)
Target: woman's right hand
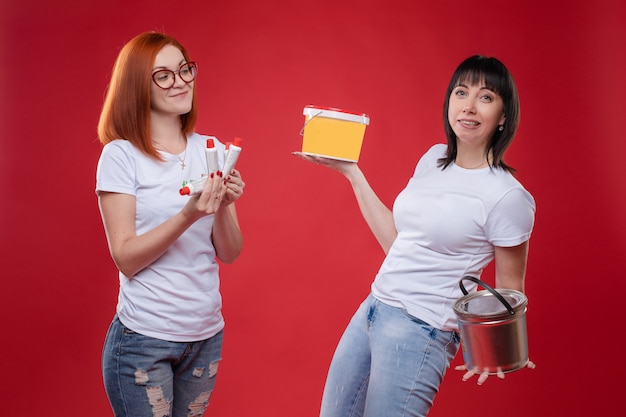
(344, 167)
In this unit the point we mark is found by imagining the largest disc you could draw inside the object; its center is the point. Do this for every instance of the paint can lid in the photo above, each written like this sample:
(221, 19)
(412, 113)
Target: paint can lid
(335, 113)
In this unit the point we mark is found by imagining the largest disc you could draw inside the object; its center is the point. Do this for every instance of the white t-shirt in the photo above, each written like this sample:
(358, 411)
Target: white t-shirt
(448, 224)
(176, 298)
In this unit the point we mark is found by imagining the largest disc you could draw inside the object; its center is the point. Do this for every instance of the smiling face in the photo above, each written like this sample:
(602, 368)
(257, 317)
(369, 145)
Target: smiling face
(474, 113)
(178, 99)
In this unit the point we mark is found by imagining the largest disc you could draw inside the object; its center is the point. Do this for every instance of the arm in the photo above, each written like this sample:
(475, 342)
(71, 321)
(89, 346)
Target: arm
(132, 253)
(510, 273)
(227, 237)
(511, 266)
(377, 216)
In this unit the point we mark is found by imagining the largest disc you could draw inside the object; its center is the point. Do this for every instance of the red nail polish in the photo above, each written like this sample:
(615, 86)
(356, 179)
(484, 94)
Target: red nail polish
(211, 175)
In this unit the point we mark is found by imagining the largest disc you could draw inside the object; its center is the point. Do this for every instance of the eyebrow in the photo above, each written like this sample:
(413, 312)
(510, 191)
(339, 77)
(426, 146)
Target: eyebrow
(182, 61)
(484, 87)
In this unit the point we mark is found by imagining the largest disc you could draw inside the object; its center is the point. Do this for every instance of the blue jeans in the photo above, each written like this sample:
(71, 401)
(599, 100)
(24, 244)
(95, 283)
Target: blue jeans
(147, 377)
(387, 363)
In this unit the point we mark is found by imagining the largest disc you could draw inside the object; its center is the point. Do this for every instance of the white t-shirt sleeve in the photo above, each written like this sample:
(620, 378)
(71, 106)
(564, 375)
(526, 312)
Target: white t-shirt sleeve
(115, 172)
(511, 221)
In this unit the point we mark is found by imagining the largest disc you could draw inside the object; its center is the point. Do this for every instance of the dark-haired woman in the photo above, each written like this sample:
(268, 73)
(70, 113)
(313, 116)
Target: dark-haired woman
(461, 209)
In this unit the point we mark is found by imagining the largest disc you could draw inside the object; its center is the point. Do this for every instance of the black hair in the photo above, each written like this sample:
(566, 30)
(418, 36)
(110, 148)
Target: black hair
(495, 76)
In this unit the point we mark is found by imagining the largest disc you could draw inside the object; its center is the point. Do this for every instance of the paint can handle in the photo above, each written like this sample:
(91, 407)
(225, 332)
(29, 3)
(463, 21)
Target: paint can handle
(307, 122)
(488, 288)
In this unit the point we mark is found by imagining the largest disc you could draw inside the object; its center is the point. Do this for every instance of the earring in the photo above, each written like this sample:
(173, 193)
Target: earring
(501, 128)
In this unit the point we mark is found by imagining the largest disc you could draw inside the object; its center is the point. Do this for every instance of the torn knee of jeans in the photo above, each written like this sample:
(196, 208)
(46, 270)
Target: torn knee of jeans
(198, 372)
(160, 406)
(141, 377)
(213, 368)
(199, 405)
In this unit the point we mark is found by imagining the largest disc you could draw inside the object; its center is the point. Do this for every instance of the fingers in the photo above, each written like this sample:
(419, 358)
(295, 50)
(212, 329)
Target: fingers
(320, 160)
(342, 166)
(302, 155)
(234, 186)
(232, 174)
(467, 375)
(212, 194)
(482, 378)
(311, 158)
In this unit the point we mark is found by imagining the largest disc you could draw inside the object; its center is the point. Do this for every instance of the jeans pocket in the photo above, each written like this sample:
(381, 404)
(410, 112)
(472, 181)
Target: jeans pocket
(128, 332)
(415, 319)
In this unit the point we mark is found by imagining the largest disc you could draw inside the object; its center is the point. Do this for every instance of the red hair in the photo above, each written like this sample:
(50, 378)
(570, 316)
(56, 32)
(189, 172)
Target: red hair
(126, 110)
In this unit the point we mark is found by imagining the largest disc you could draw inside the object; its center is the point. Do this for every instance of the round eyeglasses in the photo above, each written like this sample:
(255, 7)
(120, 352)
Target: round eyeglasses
(165, 78)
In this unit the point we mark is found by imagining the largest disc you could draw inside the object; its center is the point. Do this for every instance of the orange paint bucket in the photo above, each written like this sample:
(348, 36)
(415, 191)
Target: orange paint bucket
(333, 133)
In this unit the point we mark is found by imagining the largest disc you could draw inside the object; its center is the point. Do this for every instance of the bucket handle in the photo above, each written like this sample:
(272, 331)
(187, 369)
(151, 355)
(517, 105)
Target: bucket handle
(488, 288)
(307, 122)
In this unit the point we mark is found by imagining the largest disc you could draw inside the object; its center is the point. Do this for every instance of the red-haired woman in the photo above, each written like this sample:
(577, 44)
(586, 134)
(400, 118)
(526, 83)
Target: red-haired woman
(163, 347)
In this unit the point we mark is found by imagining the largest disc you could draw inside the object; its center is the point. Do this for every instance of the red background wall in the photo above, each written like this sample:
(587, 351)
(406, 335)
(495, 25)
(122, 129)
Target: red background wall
(309, 258)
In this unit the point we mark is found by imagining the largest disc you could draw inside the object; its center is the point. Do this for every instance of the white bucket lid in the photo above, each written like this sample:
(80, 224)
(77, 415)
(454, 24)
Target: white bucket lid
(333, 113)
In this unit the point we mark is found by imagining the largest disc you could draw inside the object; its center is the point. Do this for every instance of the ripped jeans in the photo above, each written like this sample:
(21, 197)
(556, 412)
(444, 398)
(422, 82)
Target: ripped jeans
(148, 377)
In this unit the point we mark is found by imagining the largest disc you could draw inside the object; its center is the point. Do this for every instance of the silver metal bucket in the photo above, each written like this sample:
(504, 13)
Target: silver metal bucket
(493, 328)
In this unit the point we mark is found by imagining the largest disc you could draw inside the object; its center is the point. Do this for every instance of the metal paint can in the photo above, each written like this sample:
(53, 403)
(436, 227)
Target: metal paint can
(493, 328)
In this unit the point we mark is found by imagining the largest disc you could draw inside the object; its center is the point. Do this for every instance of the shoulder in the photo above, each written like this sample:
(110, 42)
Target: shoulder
(510, 190)
(430, 157)
(437, 151)
(116, 167)
(118, 149)
(507, 179)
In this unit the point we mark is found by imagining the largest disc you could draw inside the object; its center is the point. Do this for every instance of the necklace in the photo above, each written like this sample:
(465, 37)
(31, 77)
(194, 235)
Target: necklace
(483, 163)
(181, 160)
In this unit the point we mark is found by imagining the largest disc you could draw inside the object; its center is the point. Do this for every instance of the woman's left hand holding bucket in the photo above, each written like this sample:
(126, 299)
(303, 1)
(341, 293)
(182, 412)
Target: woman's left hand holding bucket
(482, 376)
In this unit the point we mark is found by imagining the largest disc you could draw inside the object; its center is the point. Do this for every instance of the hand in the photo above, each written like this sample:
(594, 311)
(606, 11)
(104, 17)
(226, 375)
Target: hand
(234, 187)
(209, 200)
(336, 164)
(482, 377)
